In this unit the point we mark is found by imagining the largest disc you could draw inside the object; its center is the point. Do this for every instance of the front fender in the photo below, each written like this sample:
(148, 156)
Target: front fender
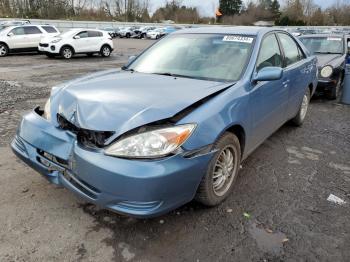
(217, 115)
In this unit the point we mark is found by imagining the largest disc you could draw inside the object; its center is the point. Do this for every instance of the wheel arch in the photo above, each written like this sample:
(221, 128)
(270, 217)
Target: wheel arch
(239, 132)
(106, 44)
(67, 45)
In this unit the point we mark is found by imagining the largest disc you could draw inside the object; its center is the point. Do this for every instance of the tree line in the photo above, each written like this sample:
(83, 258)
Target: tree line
(284, 13)
(236, 12)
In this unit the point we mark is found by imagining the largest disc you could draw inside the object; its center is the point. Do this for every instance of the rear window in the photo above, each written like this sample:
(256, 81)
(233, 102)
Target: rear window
(49, 29)
(95, 34)
(30, 30)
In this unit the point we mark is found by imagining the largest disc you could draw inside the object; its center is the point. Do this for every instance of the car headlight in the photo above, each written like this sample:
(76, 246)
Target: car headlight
(55, 41)
(151, 144)
(47, 110)
(326, 71)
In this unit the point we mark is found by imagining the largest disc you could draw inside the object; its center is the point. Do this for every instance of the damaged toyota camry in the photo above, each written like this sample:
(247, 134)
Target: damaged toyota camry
(174, 123)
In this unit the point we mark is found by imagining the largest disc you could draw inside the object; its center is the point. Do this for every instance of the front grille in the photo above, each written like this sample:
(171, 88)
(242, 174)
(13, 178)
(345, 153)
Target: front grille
(88, 138)
(44, 45)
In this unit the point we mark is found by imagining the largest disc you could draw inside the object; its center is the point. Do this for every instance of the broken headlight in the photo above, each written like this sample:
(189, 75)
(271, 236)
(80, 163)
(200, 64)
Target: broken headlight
(47, 110)
(151, 144)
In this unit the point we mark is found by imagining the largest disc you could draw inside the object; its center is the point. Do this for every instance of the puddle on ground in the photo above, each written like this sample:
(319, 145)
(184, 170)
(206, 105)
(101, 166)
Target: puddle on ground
(267, 241)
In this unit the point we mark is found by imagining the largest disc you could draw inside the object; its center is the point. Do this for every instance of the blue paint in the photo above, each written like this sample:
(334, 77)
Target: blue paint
(120, 101)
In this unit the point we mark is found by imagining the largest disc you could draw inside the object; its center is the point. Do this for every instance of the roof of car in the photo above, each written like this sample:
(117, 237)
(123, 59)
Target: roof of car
(321, 35)
(241, 30)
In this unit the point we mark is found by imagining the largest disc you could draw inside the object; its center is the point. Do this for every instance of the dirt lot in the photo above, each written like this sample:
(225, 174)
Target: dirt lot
(278, 211)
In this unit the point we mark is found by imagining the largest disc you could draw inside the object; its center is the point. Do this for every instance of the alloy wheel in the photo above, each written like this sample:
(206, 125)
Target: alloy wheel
(3, 50)
(106, 51)
(224, 170)
(67, 53)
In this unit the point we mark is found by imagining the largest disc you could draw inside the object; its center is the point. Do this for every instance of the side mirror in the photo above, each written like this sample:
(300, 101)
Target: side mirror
(76, 37)
(131, 58)
(269, 73)
(10, 34)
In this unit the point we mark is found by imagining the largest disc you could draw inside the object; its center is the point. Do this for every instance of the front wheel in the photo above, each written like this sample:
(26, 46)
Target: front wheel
(3, 50)
(106, 51)
(298, 120)
(222, 171)
(334, 92)
(67, 52)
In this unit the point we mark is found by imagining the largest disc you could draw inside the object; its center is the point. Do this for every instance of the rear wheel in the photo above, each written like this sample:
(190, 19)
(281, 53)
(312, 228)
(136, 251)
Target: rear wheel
(106, 51)
(298, 120)
(222, 171)
(67, 52)
(3, 50)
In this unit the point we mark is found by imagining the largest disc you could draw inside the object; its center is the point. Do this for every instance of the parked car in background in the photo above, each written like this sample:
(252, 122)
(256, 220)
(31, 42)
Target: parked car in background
(173, 124)
(127, 32)
(331, 51)
(77, 41)
(142, 32)
(24, 38)
(156, 33)
(111, 31)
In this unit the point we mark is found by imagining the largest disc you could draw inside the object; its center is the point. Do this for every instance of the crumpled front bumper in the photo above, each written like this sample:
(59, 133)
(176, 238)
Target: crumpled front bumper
(141, 188)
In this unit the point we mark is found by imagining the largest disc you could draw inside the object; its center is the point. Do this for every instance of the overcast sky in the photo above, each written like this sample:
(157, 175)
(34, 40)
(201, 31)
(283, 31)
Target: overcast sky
(207, 7)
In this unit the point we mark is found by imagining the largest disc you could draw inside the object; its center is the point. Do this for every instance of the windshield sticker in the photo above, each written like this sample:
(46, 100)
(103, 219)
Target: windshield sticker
(235, 38)
(333, 39)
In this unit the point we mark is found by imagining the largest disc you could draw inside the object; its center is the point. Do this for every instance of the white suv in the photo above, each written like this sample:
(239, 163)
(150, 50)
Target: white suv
(23, 38)
(77, 41)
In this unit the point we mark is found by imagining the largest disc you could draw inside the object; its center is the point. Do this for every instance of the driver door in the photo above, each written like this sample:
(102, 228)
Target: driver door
(268, 99)
(81, 42)
(16, 38)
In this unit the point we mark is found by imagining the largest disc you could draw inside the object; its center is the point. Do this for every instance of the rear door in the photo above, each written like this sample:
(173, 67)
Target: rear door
(295, 72)
(33, 36)
(95, 39)
(269, 99)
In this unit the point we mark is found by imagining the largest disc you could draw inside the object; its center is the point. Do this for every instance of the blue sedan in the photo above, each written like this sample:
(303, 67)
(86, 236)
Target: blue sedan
(173, 124)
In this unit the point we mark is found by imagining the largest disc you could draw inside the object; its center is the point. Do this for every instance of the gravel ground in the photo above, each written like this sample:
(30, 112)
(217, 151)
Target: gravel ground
(278, 211)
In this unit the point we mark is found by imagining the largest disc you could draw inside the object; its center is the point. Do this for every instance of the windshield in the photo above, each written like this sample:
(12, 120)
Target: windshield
(202, 56)
(324, 45)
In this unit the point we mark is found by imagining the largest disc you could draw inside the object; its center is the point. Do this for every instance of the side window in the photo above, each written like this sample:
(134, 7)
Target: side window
(49, 29)
(270, 54)
(94, 34)
(18, 31)
(32, 30)
(83, 34)
(291, 49)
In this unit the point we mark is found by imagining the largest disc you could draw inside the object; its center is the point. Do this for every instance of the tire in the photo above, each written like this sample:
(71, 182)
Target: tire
(157, 37)
(334, 93)
(4, 50)
(105, 51)
(214, 190)
(143, 36)
(298, 120)
(67, 52)
(128, 35)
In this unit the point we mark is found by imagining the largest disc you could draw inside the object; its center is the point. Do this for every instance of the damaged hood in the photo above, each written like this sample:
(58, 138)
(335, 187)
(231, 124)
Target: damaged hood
(329, 59)
(120, 101)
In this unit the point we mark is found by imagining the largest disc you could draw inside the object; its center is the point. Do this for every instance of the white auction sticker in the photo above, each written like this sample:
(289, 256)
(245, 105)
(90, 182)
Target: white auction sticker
(237, 38)
(333, 39)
